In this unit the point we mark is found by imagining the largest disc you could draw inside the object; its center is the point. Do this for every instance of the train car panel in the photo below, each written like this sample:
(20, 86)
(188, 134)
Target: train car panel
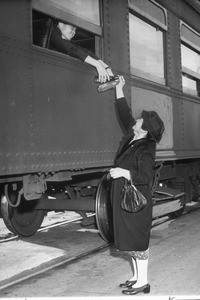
(183, 9)
(173, 58)
(191, 121)
(87, 137)
(16, 114)
(48, 113)
(116, 35)
(15, 20)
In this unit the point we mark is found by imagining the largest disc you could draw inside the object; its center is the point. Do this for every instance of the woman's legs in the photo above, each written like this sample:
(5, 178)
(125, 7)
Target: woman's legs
(140, 261)
(142, 285)
(135, 272)
(142, 268)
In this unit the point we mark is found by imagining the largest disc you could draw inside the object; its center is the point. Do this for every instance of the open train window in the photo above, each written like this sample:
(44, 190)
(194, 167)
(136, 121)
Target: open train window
(83, 15)
(147, 26)
(190, 58)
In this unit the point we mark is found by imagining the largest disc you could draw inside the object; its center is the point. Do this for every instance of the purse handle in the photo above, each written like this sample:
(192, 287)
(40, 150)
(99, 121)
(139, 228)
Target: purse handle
(130, 182)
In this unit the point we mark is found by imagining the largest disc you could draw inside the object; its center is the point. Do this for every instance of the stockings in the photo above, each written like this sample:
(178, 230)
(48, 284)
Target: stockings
(140, 266)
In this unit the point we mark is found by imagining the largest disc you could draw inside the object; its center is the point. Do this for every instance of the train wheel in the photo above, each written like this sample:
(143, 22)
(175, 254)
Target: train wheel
(22, 220)
(104, 209)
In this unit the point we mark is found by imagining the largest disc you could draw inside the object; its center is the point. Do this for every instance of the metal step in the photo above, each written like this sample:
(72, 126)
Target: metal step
(167, 200)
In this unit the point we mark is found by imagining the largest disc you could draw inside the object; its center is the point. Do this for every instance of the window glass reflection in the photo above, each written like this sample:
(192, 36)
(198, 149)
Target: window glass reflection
(150, 9)
(146, 48)
(190, 59)
(189, 85)
(190, 35)
(85, 9)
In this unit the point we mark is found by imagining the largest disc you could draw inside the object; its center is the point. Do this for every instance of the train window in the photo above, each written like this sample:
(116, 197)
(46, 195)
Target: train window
(85, 9)
(189, 85)
(83, 15)
(190, 57)
(147, 49)
(190, 36)
(43, 33)
(149, 9)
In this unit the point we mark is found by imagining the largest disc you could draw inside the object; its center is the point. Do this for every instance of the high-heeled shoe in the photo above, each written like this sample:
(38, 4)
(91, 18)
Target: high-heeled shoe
(133, 291)
(128, 283)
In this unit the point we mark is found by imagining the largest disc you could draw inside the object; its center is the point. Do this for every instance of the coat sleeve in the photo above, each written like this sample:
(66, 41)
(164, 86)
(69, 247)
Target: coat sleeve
(125, 115)
(68, 47)
(143, 174)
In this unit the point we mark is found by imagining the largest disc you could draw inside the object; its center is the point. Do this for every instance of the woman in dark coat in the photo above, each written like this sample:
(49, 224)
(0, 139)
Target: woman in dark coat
(134, 160)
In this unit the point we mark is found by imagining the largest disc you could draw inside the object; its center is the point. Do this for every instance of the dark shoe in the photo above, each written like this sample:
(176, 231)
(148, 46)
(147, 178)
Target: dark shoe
(128, 283)
(133, 291)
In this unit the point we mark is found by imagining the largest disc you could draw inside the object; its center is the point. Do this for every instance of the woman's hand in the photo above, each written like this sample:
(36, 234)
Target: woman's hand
(121, 83)
(120, 172)
(109, 70)
(103, 70)
(103, 74)
(119, 88)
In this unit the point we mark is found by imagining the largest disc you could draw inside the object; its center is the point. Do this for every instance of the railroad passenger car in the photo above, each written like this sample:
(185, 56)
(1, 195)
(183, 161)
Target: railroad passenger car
(59, 135)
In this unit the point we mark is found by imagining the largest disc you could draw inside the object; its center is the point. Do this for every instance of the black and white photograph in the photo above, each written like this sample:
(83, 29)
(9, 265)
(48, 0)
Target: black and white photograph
(99, 149)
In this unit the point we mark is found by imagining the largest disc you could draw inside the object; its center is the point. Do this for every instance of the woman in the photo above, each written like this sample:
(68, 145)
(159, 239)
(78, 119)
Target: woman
(60, 40)
(134, 160)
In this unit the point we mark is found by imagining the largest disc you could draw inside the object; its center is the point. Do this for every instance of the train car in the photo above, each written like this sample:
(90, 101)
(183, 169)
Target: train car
(59, 135)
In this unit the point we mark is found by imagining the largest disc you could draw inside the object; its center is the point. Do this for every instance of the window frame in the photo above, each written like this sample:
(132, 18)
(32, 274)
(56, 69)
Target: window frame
(48, 9)
(186, 71)
(55, 12)
(148, 19)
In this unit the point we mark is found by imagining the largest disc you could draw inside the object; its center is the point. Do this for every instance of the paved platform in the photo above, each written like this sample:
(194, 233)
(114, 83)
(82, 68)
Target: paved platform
(40, 251)
(20, 257)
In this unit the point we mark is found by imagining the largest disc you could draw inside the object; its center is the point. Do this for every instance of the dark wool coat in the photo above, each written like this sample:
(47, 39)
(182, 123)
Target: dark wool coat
(132, 230)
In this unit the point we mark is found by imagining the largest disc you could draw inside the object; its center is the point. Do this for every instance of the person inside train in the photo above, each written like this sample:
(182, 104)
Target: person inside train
(53, 34)
(60, 40)
(134, 161)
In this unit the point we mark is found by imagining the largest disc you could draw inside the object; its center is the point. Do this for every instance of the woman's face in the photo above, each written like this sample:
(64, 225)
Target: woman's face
(68, 31)
(137, 128)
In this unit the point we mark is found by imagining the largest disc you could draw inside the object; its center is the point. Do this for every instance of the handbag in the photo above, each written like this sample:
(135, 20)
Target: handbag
(132, 199)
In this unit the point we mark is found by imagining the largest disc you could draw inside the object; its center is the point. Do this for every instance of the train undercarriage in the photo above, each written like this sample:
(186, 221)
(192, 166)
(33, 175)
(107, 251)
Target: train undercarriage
(26, 201)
